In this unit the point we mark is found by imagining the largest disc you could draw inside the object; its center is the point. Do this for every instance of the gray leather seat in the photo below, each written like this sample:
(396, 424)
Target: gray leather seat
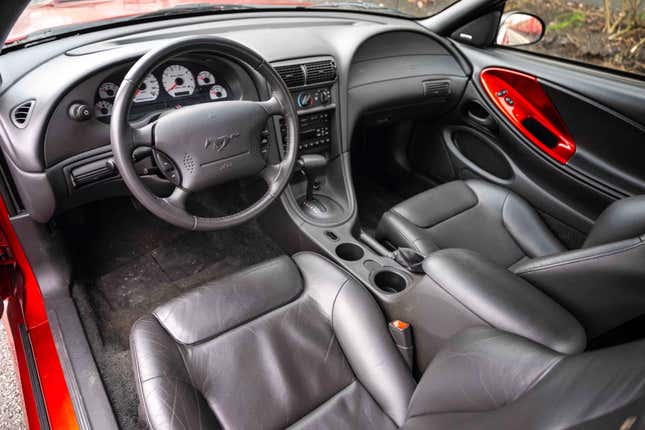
(301, 344)
(494, 222)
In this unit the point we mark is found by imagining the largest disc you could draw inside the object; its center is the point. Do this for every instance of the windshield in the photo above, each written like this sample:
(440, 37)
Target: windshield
(46, 18)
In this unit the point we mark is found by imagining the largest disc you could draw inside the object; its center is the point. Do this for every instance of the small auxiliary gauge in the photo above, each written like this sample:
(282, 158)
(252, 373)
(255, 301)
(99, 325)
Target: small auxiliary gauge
(102, 109)
(218, 92)
(205, 78)
(108, 90)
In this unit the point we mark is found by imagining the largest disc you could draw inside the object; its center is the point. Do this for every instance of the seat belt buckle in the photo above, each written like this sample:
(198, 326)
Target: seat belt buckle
(401, 333)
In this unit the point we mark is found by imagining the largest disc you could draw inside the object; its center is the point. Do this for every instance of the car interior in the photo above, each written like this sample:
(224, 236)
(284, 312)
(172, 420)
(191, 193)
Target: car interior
(331, 219)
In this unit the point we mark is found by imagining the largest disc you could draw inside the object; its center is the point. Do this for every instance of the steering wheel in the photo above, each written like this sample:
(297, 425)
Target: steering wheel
(207, 144)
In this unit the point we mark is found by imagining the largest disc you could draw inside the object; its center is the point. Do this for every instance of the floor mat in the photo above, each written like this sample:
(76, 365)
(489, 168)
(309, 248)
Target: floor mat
(130, 262)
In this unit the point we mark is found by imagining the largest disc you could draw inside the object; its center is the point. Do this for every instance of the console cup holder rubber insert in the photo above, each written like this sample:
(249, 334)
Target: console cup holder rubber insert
(349, 252)
(389, 281)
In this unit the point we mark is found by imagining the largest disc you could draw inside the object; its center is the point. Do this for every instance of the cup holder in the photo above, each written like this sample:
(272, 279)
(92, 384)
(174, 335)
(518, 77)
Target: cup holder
(349, 252)
(390, 281)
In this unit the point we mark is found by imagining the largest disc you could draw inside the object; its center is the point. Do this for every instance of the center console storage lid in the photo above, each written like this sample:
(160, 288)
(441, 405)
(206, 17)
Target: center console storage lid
(504, 300)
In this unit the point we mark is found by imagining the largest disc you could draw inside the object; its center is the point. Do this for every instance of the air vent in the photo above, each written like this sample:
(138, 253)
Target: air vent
(439, 90)
(320, 71)
(21, 114)
(293, 75)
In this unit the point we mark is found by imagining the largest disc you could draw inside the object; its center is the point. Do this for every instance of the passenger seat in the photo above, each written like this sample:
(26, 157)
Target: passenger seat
(473, 215)
(496, 223)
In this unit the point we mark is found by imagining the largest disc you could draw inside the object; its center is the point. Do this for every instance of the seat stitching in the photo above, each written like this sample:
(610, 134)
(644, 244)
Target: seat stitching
(580, 259)
(336, 394)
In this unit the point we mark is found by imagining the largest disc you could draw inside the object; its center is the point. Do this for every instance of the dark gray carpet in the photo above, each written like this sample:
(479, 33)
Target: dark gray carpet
(130, 262)
(376, 195)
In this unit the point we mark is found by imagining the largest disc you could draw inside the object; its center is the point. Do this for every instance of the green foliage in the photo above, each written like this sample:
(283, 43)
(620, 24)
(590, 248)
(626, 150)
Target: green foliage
(568, 20)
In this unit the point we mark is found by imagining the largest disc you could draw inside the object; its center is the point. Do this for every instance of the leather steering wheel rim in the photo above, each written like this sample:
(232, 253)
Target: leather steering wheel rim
(207, 159)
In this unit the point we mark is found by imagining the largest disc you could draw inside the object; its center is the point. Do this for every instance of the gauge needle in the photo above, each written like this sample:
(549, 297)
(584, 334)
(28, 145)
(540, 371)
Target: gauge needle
(172, 87)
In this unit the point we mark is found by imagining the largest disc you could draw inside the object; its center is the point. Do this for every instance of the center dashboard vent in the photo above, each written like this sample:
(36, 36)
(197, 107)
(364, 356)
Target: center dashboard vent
(293, 76)
(21, 114)
(315, 72)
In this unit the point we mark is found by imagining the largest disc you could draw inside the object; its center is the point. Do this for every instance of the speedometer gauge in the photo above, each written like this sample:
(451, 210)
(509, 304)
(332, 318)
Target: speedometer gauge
(205, 78)
(148, 90)
(178, 81)
(108, 90)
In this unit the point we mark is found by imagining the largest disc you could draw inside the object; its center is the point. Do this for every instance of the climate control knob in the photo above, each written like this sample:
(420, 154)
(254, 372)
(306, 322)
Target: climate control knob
(305, 100)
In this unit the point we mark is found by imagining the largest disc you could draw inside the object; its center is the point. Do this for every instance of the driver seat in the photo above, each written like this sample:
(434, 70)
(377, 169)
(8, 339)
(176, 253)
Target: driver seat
(299, 343)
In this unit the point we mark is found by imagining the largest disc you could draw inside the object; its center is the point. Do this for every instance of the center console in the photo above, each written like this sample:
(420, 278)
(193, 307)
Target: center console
(317, 190)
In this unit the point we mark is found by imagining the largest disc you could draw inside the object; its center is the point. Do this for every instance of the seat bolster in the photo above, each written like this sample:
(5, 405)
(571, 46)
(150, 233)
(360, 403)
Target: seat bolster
(404, 234)
(623, 219)
(527, 229)
(169, 399)
(222, 305)
(504, 300)
(362, 333)
(481, 369)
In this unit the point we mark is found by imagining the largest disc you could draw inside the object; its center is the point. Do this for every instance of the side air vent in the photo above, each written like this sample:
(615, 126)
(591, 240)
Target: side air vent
(292, 75)
(320, 71)
(21, 114)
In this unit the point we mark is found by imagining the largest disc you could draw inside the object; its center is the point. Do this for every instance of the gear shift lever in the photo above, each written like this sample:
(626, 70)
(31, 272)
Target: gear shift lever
(307, 164)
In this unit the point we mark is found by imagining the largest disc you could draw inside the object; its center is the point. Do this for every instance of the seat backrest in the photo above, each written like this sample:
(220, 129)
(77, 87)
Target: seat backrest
(623, 219)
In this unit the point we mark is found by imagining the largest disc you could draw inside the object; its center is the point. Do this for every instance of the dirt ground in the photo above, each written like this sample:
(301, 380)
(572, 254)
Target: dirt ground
(11, 415)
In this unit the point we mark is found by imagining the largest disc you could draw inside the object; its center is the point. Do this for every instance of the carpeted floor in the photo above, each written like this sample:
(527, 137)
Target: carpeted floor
(130, 262)
(376, 195)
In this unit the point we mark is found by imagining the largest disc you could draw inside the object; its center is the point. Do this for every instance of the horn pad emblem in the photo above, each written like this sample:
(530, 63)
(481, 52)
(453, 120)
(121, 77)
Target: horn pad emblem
(221, 142)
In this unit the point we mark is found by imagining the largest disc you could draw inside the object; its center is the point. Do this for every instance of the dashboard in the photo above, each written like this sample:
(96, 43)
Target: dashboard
(382, 66)
(171, 85)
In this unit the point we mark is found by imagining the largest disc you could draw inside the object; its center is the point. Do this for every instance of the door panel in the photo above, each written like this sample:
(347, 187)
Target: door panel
(595, 152)
(523, 101)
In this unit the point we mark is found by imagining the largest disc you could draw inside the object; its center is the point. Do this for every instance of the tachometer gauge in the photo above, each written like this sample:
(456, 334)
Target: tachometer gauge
(148, 90)
(178, 81)
(108, 90)
(218, 92)
(205, 78)
(102, 109)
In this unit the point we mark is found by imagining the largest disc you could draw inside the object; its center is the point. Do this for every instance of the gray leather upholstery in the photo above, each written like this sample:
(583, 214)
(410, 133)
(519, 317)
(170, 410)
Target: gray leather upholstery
(473, 215)
(317, 355)
(602, 286)
(487, 379)
(623, 219)
(504, 301)
(258, 350)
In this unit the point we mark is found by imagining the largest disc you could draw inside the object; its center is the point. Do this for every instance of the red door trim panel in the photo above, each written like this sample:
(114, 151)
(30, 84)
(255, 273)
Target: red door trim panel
(523, 101)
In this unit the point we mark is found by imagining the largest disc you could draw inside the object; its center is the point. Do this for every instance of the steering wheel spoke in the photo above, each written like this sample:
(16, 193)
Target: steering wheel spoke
(142, 136)
(272, 175)
(272, 106)
(178, 198)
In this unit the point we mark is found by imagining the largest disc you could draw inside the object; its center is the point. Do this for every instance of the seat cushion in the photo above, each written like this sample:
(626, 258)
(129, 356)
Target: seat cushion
(285, 343)
(474, 215)
(489, 379)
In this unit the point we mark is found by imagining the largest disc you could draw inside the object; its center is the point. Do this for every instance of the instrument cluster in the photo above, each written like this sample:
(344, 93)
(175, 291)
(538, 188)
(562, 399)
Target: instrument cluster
(170, 86)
